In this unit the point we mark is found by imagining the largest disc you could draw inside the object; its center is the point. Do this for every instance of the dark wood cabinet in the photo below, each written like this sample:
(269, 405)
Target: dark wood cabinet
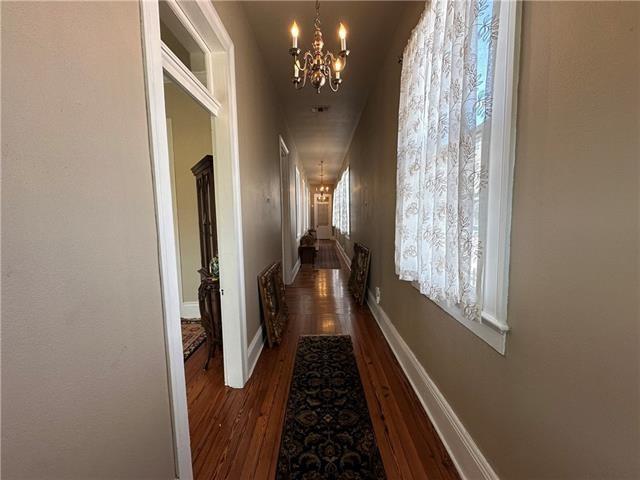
(209, 290)
(205, 191)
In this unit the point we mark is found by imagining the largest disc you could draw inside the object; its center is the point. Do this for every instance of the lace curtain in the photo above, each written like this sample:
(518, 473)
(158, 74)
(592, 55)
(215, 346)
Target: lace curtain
(341, 204)
(443, 138)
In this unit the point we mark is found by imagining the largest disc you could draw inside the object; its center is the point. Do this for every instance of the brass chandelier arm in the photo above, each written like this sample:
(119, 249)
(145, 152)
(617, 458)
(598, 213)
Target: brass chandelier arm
(307, 58)
(330, 58)
(329, 61)
(332, 87)
(298, 85)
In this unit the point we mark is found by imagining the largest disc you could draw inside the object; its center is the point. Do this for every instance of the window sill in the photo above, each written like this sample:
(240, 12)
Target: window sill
(489, 329)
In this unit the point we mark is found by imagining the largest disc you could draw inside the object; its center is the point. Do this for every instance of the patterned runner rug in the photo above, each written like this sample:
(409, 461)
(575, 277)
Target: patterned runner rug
(327, 257)
(193, 335)
(327, 432)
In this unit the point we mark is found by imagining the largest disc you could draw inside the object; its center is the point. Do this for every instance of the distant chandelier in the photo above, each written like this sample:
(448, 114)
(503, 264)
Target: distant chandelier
(323, 197)
(318, 67)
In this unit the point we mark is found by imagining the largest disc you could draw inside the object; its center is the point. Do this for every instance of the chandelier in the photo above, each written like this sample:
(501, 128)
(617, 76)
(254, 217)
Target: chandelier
(318, 67)
(324, 191)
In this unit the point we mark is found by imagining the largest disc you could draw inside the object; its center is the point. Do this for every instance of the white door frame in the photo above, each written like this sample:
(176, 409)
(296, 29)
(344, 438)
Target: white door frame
(203, 23)
(316, 196)
(284, 200)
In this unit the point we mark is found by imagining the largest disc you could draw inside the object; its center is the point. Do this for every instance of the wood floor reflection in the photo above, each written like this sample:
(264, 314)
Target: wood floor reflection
(235, 434)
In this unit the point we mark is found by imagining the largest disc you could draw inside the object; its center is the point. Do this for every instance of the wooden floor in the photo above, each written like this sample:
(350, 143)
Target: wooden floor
(235, 434)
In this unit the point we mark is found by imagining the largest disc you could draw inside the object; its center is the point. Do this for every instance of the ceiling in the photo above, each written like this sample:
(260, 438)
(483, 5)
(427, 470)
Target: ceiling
(324, 136)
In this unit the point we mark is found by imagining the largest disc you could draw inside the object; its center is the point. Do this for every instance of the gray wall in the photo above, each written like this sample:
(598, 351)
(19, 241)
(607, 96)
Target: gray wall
(84, 380)
(564, 401)
(260, 121)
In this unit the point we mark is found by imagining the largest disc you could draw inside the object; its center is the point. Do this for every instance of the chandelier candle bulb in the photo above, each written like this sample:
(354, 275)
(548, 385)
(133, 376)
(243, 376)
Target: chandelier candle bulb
(338, 68)
(294, 35)
(342, 33)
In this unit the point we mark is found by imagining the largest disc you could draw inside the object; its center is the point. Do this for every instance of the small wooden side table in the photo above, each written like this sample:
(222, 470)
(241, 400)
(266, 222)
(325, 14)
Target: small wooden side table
(210, 312)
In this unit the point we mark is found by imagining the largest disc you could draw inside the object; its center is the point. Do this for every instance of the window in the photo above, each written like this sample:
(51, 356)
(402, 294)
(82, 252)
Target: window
(302, 204)
(299, 205)
(306, 207)
(341, 205)
(184, 44)
(455, 160)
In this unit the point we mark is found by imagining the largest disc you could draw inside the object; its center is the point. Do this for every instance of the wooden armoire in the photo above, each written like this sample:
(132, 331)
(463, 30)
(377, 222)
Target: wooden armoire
(209, 290)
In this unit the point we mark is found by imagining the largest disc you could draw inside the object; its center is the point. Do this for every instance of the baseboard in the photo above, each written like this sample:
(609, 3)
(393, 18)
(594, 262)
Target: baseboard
(254, 351)
(294, 271)
(464, 452)
(189, 310)
(344, 255)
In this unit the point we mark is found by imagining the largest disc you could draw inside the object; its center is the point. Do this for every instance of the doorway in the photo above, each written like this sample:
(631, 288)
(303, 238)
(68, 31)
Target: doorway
(322, 216)
(190, 143)
(186, 42)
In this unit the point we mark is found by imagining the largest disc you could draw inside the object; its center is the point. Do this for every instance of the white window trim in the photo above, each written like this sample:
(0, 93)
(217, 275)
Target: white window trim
(493, 327)
(347, 171)
(493, 334)
(299, 204)
(500, 191)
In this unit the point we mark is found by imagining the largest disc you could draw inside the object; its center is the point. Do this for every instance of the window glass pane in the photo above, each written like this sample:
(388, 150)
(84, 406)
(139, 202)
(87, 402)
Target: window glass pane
(485, 29)
(175, 36)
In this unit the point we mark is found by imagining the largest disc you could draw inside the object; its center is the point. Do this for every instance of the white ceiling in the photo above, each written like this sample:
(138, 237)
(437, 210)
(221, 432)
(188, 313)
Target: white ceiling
(324, 136)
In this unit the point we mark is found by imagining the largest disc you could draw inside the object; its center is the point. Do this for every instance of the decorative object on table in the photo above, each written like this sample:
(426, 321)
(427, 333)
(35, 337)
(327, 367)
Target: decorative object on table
(273, 303)
(214, 267)
(193, 335)
(318, 67)
(327, 429)
(327, 256)
(209, 289)
(307, 249)
(359, 272)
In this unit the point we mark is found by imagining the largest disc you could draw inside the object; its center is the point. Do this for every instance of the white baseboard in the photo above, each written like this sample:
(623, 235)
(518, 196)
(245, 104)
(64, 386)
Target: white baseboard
(189, 310)
(294, 271)
(464, 452)
(344, 255)
(254, 350)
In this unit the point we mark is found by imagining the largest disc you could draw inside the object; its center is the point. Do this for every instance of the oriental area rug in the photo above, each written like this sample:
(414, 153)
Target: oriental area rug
(327, 431)
(327, 257)
(193, 335)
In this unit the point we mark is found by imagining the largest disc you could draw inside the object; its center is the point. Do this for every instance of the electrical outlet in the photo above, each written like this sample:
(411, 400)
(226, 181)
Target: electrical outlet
(377, 291)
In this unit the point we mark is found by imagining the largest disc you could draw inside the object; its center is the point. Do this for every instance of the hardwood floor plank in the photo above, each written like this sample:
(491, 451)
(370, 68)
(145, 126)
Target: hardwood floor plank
(235, 434)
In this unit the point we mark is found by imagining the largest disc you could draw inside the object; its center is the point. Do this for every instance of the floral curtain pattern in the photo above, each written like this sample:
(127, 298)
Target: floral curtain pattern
(341, 205)
(443, 137)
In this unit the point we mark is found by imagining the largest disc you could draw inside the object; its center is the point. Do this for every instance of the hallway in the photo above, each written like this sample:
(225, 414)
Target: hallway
(236, 433)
